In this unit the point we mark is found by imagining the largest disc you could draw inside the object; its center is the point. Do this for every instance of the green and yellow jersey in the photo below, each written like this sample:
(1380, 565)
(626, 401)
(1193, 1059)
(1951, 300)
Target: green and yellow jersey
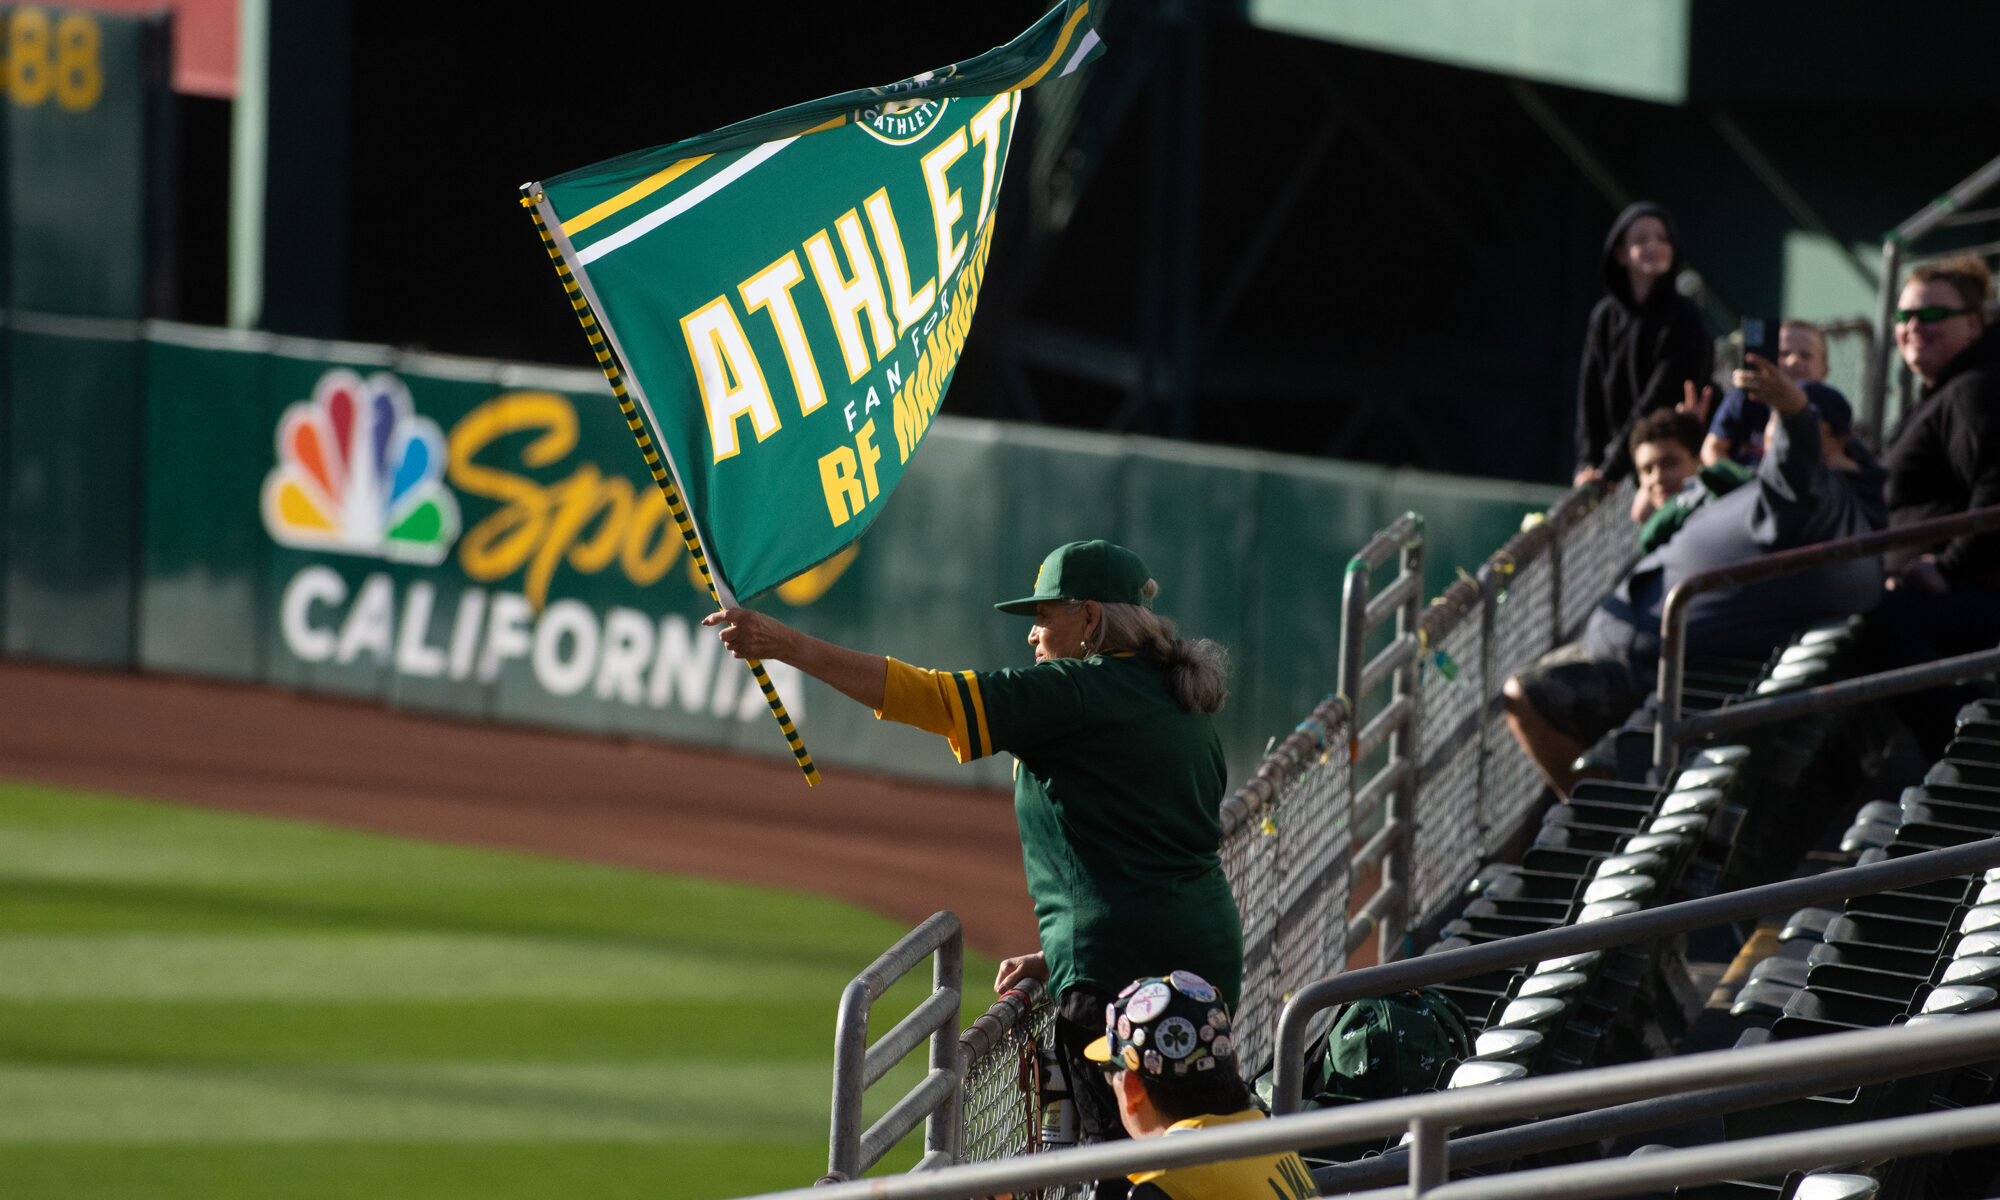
(1116, 793)
(1263, 1177)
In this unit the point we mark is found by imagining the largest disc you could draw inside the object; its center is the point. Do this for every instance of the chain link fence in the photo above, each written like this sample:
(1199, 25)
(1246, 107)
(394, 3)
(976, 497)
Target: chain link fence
(1288, 836)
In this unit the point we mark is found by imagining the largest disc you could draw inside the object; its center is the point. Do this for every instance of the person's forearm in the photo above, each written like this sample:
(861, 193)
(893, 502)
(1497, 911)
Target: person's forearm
(852, 673)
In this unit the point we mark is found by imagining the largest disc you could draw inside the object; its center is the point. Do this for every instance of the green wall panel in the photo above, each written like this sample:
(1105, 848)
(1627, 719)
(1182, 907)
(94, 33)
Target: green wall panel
(202, 561)
(72, 490)
(79, 106)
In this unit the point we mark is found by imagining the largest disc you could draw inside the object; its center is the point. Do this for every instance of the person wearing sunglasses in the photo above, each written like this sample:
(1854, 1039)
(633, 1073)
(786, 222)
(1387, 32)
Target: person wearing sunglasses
(1945, 459)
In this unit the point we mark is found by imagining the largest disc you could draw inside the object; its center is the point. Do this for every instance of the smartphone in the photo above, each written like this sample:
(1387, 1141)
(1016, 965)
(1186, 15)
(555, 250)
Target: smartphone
(1760, 337)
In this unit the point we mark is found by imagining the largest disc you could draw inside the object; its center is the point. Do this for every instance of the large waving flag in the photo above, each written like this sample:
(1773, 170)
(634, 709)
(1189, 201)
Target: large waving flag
(780, 304)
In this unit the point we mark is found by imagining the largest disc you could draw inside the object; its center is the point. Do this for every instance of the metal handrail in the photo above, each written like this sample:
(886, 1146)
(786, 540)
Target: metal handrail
(1672, 728)
(937, 1099)
(1388, 912)
(1971, 1038)
(1875, 384)
(1288, 1070)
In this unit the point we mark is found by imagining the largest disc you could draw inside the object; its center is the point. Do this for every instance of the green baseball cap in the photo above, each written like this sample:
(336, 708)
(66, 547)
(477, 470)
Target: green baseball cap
(1095, 570)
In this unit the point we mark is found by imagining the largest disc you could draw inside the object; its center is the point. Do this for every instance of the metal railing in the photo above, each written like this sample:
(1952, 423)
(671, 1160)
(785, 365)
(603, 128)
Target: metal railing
(1948, 209)
(1642, 926)
(1674, 729)
(1391, 790)
(857, 1066)
(1839, 1059)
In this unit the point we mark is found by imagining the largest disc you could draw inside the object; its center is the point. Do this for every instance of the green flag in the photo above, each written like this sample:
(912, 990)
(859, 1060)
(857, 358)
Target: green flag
(787, 297)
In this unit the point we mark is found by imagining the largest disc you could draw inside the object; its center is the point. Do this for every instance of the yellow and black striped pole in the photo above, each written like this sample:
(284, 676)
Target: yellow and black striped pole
(654, 463)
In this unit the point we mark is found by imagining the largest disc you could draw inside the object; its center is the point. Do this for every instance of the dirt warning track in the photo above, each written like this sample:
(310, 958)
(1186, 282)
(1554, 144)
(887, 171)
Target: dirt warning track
(902, 849)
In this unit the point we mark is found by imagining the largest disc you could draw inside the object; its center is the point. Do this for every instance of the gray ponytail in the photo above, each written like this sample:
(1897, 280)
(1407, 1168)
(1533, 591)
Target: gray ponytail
(1197, 668)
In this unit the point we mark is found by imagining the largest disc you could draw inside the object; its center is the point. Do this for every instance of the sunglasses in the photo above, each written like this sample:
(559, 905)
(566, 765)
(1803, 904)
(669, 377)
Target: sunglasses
(1929, 314)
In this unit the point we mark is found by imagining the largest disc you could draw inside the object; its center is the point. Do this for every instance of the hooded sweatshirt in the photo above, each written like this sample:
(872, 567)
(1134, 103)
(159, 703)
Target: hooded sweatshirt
(1635, 355)
(1946, 459)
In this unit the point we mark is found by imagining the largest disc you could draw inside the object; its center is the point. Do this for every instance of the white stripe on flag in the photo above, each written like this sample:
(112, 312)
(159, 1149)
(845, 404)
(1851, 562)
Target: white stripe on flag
(686, 200)
(1089, 40)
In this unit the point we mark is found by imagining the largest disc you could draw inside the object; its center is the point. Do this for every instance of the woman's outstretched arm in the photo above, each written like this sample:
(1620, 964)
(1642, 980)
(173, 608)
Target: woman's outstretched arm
(747, 633)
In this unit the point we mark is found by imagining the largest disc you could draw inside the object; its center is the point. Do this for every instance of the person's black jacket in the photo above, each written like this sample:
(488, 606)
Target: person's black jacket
(1635, 356)
(1946, 459)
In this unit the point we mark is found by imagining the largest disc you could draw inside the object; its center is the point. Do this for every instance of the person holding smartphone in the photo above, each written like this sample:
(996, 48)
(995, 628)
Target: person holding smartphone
(1737, 432)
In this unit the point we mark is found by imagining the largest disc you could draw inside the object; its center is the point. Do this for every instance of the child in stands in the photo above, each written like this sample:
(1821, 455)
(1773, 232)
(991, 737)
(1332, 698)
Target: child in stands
(1172, 1062)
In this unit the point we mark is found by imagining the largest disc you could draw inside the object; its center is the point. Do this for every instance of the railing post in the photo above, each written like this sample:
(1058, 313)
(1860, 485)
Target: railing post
(1489, 618)
(944, 1130)
(1430, 1155)
(850, 1057)
(1558, 517)
(1398, 873)
(1875, 379)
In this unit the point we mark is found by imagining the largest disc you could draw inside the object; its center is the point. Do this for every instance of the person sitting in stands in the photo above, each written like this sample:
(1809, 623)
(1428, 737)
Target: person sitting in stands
(1664, 445)
(1812, 486)
(1169, 1050)
(1737, 432)
(1945, 459)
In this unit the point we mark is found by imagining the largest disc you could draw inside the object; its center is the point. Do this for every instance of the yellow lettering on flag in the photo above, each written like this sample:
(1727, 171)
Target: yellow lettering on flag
(726, 370)
(845, 296)
(771, 289)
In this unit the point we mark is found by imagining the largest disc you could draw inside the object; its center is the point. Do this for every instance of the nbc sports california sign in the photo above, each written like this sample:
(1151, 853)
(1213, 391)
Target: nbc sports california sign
(458, 538)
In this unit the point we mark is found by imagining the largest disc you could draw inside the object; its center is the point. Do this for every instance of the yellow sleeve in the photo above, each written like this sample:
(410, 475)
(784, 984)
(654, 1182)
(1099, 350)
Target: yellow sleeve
(942, 702)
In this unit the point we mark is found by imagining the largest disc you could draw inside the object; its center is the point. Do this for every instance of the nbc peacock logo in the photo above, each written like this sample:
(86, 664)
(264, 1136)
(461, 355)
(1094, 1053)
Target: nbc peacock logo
(359, 472)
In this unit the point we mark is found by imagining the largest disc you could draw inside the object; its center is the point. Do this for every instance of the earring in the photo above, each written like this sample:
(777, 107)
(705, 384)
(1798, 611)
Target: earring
(1085, 647)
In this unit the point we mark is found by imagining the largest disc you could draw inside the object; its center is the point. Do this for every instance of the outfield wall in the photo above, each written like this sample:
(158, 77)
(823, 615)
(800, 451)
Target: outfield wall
(177, 499)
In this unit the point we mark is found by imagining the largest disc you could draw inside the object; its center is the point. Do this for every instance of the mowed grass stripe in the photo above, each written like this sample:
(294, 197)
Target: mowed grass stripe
(228, 1033)
(180, 987)
(365, 1171)
(681, 1100)
(343, 965)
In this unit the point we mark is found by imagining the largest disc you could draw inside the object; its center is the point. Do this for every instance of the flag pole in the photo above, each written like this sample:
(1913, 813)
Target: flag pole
(533, 199)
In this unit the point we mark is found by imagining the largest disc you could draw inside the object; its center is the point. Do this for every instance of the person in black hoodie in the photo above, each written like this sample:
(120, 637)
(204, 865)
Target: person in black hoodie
(1644, 343)
(1945, 459)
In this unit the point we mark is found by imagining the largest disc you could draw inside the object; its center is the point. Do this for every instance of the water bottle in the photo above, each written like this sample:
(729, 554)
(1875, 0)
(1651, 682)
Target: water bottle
(1058, 1110)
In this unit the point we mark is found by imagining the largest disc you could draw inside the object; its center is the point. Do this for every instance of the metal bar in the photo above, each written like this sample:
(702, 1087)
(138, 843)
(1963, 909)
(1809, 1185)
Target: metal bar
(1430, 1156)
(1385, 723)
(1893, 1138)
(1619, 1120)
(1392, 835)
(1982, 249)
(1387, 542)
(1969, 1038)
(1674, 613)
(986, 1031)
(1394, 657)
(1645, 925)
(905, 1115)
(1370, 794)
(1401, 830)
(939, 1010)
(1369, 919)
(1971, 216)
(1750, 714)
(1875, 380)
(1393, 598)
(944, 1132)
(1930, 215)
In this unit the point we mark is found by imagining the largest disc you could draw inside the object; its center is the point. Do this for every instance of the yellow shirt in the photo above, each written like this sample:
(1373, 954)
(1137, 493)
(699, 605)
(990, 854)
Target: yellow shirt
(1266, 1177)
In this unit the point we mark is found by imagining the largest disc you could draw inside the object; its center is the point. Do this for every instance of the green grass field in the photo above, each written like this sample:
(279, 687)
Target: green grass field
(197, 1004)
